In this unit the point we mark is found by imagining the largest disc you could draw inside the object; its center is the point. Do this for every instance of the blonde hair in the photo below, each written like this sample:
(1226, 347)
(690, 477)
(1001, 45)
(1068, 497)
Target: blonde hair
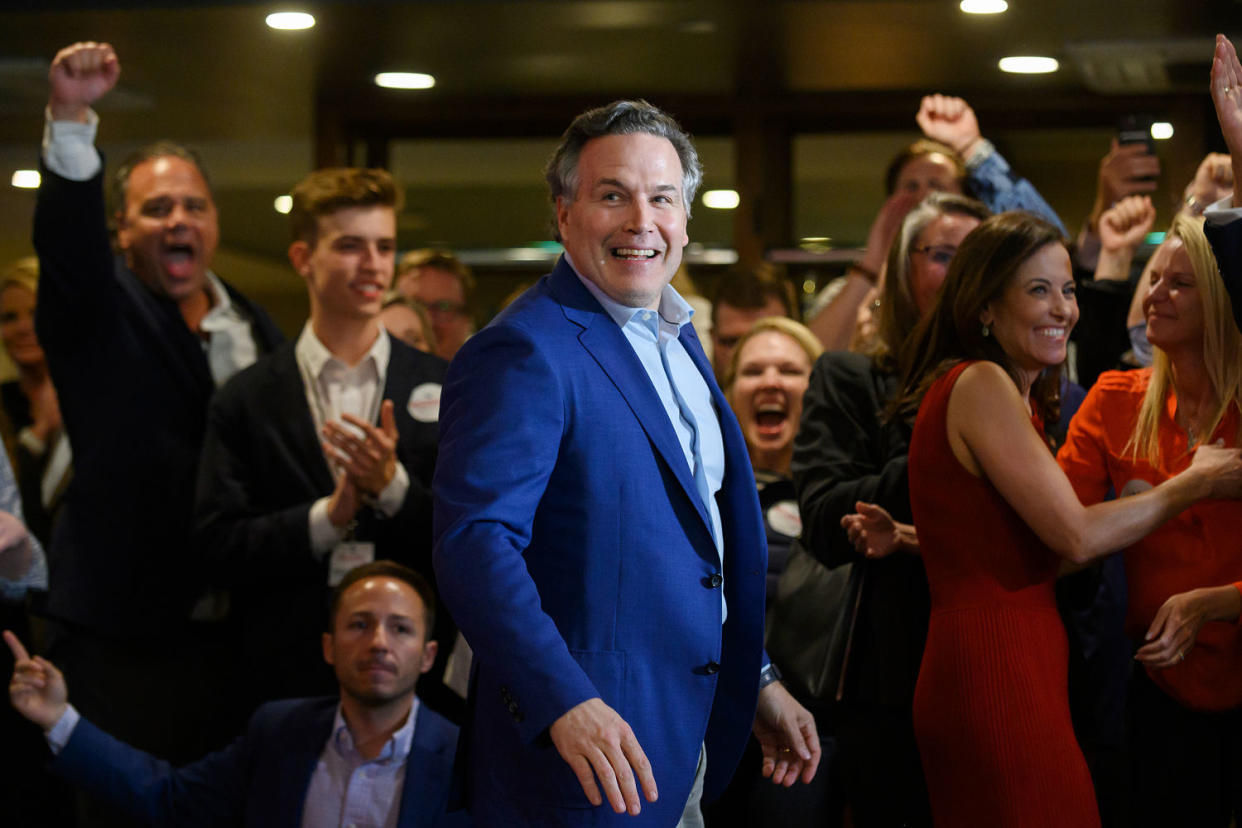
(796, 331)
(23, 272)
(1222, 348)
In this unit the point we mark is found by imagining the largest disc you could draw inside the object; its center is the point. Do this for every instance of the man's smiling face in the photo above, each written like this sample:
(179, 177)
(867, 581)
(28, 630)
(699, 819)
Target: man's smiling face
(626, 225)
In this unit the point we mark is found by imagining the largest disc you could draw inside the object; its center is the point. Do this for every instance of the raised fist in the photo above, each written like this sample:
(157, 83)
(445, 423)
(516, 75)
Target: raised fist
(80, 75)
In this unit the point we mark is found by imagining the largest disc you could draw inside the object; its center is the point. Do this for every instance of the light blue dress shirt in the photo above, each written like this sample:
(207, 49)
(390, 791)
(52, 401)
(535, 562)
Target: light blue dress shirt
(347, 791)
(682, 389)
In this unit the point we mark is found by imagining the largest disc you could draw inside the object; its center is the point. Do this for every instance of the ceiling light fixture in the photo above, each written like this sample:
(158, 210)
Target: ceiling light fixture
(25, 179)
(283, 204)
(721, 199)
(290, 21)
(404, 80)
(1028, 65)
(1162, 130)
(983, 6)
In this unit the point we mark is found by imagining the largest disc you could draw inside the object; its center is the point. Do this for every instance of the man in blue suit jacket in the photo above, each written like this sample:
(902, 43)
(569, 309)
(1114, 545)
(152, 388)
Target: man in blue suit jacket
(598, 537)
(374, 756)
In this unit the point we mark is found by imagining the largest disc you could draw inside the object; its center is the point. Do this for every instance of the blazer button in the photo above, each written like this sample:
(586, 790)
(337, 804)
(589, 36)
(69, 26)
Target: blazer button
(711, 668)
(715, 581)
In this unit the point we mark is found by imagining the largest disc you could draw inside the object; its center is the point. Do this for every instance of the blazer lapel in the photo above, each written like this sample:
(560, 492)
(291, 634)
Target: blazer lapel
(424, 794)
(292, 413)
(295, 765)
(604, 340)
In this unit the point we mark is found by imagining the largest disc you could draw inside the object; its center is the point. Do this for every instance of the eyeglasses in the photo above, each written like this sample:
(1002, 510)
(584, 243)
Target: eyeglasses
(940, 254)
(444, 306)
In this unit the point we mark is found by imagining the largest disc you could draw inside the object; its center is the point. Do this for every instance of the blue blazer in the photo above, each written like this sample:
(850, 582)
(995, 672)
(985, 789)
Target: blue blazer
(577, 558)
(259, 780)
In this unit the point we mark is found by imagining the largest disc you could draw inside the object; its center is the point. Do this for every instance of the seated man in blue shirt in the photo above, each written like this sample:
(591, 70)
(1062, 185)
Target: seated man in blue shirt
(372, 757)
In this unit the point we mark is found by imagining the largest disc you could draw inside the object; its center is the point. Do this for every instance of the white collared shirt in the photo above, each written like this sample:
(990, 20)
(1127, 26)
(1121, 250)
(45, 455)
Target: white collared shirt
(332, 389)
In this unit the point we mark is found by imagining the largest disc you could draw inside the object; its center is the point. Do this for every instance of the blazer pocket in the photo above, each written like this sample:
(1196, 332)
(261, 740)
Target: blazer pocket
(549, 778)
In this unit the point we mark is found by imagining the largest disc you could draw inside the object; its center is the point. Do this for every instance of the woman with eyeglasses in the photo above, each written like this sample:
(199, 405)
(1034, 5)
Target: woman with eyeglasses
(846, 452)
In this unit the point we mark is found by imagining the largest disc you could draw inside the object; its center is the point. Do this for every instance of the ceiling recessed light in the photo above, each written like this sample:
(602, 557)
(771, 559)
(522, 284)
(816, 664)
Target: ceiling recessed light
(1028, 65)
(290, 21)
(1162, 130)
(404, 80)
(721, 199)
(25, 179)
(983, 6)
(283, 204)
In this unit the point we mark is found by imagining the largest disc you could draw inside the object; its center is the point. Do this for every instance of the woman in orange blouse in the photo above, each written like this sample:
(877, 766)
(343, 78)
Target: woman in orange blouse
(1135, 430)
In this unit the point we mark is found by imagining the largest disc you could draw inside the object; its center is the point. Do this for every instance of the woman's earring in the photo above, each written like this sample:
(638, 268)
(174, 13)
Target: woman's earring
(985, 331)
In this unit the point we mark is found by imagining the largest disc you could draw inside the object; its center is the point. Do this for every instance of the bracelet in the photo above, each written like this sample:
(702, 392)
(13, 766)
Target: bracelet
(1194, 206)
(768, 675)
(870, 275)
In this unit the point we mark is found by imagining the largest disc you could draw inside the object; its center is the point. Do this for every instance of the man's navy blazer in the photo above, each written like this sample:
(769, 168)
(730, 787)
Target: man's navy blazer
(262, 468)
(1226, 241)
(259, 780)
(134, 385)
(577, 557)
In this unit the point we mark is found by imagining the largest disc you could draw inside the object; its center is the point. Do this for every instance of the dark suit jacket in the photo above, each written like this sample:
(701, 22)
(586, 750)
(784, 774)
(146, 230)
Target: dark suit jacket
(134, 386)
(577, 556)
(1226, 241)
(259, 780)
(262, 468)
(845, 452)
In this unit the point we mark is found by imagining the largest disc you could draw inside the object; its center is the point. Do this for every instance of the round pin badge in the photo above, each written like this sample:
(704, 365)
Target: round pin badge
(424, 404)
(783, 517)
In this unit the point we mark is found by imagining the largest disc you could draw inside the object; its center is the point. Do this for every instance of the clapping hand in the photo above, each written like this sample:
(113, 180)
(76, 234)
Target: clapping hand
(370, 459)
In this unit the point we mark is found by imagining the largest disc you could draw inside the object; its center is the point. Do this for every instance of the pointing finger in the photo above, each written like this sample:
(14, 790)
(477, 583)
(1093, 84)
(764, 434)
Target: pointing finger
(19, 652)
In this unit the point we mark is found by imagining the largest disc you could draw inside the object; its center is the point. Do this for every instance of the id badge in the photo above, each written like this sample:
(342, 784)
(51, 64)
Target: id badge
(346, 556)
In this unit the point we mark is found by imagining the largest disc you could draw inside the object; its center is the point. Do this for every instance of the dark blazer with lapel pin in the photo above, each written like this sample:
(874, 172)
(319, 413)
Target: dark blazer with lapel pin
(259, 780)
(578, 559)
(262, 469)
(134, 385)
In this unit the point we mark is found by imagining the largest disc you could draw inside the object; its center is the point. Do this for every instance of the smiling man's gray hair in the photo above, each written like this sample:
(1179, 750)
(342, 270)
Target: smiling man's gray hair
(621, 118)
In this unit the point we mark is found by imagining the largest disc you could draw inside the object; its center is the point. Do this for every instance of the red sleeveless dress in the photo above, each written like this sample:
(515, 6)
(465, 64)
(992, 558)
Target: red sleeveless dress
(991, 708)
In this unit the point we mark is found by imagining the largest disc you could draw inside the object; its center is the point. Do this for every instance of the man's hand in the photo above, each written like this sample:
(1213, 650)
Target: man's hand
(1124, 225)
(1127, 170)
(1213, 181)
(37, 690)
(786, 732)
(80, 75)
(597, 742)
(344, 502)
(1227, 98)
(950, 121)
(370, 459)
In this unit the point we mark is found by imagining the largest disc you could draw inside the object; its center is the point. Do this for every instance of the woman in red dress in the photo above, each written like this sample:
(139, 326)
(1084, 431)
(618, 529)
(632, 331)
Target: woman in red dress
(996, 521)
